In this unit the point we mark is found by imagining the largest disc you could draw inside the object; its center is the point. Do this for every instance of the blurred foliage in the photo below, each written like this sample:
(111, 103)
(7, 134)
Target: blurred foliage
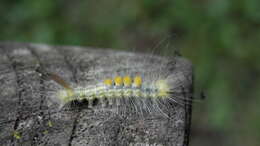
(221, 38)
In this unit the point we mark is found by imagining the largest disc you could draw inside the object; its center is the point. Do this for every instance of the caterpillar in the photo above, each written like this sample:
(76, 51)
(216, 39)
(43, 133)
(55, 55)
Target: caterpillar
(120, 87)
(117, 89)
(147, 91)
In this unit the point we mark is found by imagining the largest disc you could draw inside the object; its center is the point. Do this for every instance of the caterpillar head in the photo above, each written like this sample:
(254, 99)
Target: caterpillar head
(163, 88)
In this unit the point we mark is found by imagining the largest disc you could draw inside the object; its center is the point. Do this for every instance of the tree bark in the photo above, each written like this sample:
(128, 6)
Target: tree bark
(28, 118)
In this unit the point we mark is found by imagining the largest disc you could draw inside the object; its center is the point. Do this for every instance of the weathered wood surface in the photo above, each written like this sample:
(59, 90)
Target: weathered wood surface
(24, 106)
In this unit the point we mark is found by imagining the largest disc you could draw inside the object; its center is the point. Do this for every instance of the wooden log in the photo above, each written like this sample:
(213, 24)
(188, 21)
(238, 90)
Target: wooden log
(30, 117)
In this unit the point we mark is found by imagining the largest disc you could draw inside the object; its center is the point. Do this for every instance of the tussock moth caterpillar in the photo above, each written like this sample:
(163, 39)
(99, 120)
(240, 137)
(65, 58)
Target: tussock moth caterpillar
(143, 83)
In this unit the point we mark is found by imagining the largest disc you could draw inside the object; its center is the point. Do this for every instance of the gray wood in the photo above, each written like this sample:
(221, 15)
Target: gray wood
(26, 107)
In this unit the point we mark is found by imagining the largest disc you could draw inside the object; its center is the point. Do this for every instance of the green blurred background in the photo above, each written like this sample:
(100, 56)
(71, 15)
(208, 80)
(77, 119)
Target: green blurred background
(220, 37)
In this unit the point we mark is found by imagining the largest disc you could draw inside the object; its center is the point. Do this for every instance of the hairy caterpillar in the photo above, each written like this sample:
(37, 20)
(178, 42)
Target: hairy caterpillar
(123, 83)
(118, 90)
(148, 87)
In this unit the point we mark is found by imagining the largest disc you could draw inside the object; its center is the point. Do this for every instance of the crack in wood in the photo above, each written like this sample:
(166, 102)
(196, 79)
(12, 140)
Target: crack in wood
(73, 71)
(42, 97)
(18, 93)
